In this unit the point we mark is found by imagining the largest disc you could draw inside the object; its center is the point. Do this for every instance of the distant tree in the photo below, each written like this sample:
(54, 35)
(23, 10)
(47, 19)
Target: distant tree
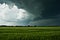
(35, 25)
(3, 26)
(28, 25)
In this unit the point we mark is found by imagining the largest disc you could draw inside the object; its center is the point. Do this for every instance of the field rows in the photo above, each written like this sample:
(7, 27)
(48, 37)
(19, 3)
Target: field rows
(29, 33)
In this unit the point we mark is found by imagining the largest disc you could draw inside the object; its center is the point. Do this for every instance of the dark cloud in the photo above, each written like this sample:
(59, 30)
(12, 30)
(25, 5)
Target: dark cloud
(46, 22)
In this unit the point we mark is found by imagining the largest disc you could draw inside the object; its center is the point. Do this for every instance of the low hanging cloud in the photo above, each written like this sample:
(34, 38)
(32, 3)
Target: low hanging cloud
(46, 22)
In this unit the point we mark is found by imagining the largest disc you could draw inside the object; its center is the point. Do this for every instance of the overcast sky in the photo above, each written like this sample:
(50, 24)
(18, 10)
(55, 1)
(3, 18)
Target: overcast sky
(30, 12)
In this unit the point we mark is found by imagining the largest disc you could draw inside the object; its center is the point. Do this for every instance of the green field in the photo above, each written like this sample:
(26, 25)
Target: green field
(29, 33)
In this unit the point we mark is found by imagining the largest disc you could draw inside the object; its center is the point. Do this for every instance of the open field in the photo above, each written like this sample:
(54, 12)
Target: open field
(29, 33)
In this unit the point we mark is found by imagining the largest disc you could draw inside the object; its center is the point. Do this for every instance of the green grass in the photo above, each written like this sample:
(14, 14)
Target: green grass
(29, 33)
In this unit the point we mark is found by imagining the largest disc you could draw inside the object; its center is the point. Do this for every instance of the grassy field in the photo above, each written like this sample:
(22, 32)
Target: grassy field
(29, 33)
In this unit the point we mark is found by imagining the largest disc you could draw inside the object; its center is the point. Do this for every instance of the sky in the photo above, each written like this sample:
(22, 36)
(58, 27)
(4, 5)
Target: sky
(30, 12)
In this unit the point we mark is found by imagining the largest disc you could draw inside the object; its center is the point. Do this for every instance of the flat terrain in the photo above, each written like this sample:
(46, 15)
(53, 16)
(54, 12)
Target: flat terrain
(29, 33)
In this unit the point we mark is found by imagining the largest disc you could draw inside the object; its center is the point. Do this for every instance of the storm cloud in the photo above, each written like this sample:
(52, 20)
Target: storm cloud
(41, 9)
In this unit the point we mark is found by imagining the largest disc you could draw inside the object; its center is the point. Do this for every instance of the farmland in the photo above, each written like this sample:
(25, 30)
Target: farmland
(29, 33)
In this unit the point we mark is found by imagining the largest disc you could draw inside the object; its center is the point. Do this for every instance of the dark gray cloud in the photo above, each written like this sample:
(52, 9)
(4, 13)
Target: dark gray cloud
(46, 22)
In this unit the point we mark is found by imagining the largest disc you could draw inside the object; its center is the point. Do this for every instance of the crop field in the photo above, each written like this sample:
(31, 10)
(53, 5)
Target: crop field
(29, 33)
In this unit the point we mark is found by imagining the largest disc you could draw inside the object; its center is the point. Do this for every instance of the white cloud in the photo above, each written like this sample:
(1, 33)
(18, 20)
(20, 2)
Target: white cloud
(12, 15)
